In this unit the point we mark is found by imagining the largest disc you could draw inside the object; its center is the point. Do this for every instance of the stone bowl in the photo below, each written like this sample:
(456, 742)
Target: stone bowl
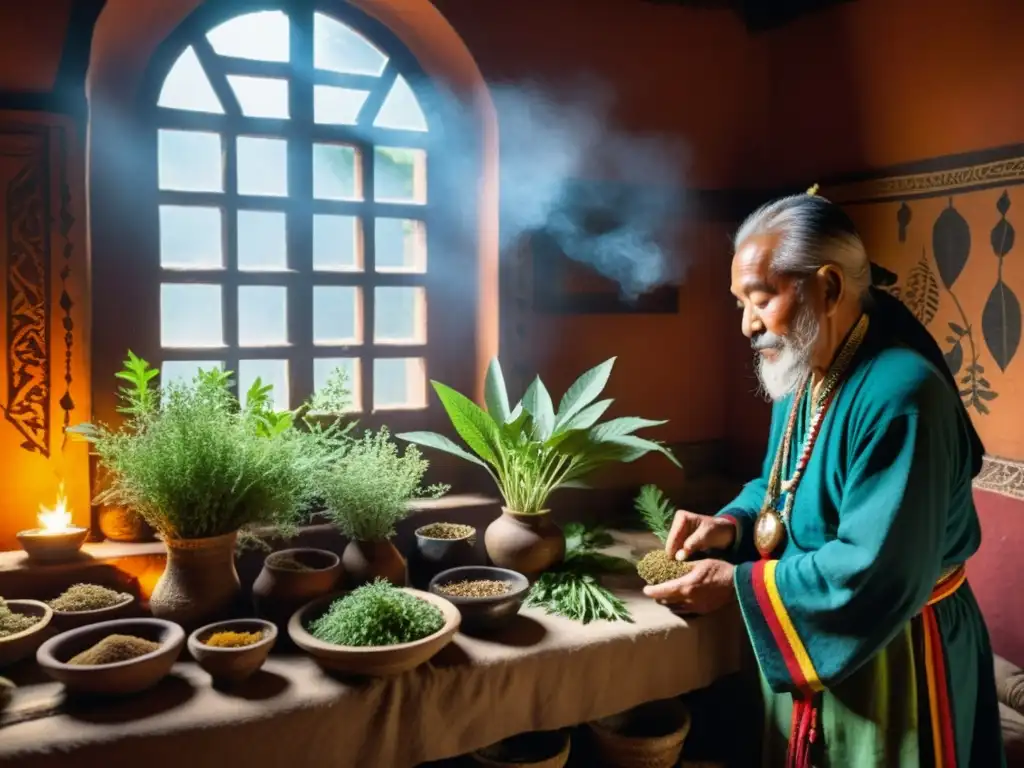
(14, 648)
(120, 678)
(372, 661)
(65, 620)
(484, 614)
(430, 556)
(231, 666)
(45, 547)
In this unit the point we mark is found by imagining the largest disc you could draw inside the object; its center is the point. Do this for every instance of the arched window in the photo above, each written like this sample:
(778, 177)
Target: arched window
(294, 206)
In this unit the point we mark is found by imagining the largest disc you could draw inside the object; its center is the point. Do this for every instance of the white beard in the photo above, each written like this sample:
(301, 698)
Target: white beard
(791, 365)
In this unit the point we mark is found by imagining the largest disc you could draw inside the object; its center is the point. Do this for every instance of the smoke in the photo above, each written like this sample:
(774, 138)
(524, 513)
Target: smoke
(623, 228)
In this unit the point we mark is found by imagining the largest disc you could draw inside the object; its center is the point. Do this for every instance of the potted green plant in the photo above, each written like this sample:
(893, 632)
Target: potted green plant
(532, 450)
(200, 468)
(365, 495)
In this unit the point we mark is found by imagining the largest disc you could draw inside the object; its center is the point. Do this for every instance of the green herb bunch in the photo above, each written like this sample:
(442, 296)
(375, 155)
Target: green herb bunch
(369, 489)
(377, 614)
(193, 463)
(655, 510)
(573, 589)
(532, 450)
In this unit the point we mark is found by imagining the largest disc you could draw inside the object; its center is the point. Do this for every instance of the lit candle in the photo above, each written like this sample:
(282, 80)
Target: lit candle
(56, 538)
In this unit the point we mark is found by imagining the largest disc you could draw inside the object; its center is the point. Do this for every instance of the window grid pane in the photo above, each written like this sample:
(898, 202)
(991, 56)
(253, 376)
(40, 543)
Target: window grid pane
(309, 303)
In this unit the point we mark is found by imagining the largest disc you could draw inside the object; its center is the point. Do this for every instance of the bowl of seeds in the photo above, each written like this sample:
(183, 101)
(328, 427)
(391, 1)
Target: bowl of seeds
(82, 604)
(488, 598)
(113, 658)
(440, 546)
(232, 651)
(23, 625)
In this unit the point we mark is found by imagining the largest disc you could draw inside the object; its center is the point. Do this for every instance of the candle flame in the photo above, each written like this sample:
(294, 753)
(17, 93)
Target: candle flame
(58, 519)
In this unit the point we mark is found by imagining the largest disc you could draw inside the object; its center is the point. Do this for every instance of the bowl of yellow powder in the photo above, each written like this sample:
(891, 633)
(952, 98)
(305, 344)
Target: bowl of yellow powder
(232, 651)
(117, 657)
(23, 628)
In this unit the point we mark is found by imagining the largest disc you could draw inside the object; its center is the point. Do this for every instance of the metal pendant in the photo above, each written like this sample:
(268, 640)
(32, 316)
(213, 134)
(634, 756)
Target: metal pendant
(769, 531)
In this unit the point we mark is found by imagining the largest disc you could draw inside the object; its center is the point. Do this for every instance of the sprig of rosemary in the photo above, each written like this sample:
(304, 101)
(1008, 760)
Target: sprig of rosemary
(573, 589)
(655, 510)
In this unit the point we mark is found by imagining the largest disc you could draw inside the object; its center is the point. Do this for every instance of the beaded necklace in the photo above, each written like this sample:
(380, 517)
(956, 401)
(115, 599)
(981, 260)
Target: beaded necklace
(769, 528)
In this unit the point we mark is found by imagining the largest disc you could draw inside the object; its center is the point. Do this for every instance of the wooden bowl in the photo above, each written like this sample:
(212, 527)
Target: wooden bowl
(484, 614)
(232, 665)
(14, 648)
(123, 677)
(372, 660)
(65, 620)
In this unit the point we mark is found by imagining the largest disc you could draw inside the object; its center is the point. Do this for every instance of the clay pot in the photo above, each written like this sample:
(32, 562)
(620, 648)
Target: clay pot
(16, 647)
(120, 524)
(529, 544)
(279, 590)
(199, 583)
(432, 555)
(232, 665)
(365, 561)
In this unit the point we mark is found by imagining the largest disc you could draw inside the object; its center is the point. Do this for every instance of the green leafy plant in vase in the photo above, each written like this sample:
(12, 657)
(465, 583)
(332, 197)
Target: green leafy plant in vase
(366, 494)
(200, 468)
(531, 450)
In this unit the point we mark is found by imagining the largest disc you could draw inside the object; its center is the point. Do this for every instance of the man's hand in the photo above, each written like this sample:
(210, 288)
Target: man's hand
(692, 533)
(708, 587)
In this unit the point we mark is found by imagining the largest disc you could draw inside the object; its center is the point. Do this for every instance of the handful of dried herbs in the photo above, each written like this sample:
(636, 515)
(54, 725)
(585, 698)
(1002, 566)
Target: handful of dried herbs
(574, 589)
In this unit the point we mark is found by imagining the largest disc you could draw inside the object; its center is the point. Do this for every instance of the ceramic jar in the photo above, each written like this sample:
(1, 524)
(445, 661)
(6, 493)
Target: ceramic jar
(529, 544)
(290, 579)
(200, 583)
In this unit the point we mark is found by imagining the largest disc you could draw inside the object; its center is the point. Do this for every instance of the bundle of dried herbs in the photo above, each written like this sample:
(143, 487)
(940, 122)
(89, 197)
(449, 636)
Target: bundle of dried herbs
(476, 588)
(377, 614)
(233, 639)
(12, 622)
(113, 649)
(574, 589)
(446, 531)
(657, 567)
(87, 597)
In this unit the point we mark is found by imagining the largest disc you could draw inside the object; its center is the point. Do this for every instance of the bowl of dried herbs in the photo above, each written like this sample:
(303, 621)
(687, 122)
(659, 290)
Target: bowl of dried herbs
(377, 629)
(23, 625)
(232, 651)
(488, 598)
(118, 657)
(82, 604)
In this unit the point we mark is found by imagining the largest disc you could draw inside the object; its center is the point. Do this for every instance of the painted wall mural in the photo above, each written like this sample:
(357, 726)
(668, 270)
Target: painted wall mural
(44, 369)
(944, 243)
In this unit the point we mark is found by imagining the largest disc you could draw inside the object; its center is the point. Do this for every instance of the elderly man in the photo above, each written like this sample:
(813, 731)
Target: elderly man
(847, 554)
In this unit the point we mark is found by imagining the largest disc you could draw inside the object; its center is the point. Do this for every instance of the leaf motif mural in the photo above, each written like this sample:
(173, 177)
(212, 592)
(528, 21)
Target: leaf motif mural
(1001, 318)
(951, 244)
(921, 292)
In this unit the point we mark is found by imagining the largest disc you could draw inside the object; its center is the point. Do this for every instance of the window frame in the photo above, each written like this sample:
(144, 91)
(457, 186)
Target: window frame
(448, 333)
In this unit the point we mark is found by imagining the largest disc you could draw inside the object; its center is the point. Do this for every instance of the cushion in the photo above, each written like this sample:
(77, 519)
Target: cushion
(1012, 723)
(1010, 684)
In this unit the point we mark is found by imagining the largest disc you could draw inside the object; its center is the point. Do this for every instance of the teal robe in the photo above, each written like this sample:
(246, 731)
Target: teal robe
(883, 511)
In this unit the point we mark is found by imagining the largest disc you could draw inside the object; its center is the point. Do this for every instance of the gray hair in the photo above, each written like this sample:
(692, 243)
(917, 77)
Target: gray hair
(813, 232)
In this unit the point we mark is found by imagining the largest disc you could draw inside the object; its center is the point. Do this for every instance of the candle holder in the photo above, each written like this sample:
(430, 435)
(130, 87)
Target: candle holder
(56, 540)
(52, 546)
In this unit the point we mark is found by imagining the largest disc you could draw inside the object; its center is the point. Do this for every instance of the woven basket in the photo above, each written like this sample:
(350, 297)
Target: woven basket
(616, 749)
(556, 761)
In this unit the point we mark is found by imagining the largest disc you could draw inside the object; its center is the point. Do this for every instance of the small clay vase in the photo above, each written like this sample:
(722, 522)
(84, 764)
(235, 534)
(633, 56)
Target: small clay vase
(279, 591)
(529, 544)
(199, 584)
(431, 556)
(121, 524)
(366, 561)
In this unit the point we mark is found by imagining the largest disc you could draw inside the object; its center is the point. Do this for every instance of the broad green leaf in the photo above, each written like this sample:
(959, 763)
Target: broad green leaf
(495, 394)
(440, 443)
(513, 429)
(586, 418)
(516, 413)
(623, 426)
(537, 402)
(638, 446)
(579, 484)
(584, 391)
(472, 423)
